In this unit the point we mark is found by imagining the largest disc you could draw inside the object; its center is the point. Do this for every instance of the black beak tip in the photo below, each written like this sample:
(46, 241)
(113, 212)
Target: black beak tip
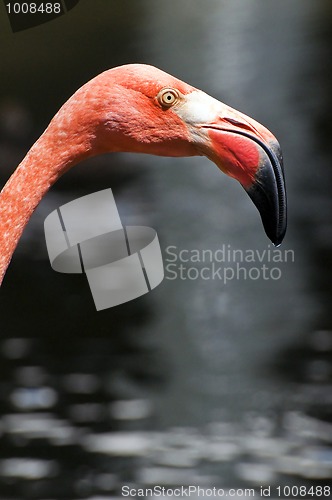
(272, 230)
(268, 190)
(270, 201)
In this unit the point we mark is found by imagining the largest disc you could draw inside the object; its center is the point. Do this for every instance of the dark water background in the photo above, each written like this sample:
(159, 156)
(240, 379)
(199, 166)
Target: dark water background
(198, 382)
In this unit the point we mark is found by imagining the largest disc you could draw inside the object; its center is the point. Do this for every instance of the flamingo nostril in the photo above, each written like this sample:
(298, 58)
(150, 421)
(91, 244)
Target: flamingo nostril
(238, 123)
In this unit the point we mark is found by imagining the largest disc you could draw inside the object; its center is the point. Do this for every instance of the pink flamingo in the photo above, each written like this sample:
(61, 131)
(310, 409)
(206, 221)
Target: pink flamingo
(139, 108)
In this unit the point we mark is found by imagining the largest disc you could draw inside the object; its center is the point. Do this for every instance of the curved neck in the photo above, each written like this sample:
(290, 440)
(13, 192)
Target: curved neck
(51, 156)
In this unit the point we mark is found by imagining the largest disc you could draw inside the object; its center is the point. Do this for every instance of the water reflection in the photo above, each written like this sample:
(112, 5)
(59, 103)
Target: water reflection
(79, 439)
(198, 383)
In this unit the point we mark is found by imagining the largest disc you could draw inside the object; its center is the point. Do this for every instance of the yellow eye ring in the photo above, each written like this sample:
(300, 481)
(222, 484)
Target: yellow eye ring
(168, 97)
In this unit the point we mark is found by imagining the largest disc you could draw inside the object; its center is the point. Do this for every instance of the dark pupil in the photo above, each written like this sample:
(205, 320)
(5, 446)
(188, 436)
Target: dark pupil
(169, 97)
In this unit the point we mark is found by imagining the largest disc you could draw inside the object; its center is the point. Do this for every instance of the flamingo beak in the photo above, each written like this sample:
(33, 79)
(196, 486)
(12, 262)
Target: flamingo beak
(247, 151)
(268, 192)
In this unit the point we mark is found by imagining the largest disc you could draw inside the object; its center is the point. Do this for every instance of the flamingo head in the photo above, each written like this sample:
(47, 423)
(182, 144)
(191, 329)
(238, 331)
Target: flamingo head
(143, 109)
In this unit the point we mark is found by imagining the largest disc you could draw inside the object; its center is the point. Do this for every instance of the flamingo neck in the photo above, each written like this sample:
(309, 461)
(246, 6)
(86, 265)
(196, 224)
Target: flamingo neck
(113, 112)
(46, 161)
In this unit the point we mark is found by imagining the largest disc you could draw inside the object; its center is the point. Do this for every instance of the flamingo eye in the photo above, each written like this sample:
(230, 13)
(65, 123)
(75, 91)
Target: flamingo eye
(168, 97)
